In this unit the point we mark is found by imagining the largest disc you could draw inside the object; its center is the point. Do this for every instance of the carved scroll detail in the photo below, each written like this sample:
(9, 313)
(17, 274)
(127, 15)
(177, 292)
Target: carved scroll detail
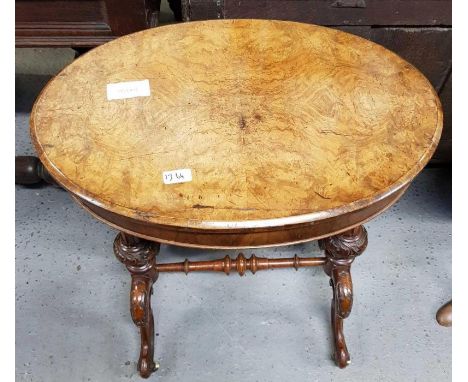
(345, 246)
(342, 292)
(137, 254)
(139, 300)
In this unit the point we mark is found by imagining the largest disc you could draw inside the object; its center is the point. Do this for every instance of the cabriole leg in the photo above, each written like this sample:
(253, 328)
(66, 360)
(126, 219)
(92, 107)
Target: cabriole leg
(139, 256)
(340, 251)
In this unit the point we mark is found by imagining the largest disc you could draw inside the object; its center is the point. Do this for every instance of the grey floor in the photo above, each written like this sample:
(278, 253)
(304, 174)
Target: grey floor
(73, 322)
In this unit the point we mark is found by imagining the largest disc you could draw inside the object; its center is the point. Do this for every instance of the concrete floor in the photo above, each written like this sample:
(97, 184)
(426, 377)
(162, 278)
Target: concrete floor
(73, 321)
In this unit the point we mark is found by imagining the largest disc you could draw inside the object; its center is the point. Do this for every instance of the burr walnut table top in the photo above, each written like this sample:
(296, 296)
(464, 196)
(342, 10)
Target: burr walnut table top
(280, 123)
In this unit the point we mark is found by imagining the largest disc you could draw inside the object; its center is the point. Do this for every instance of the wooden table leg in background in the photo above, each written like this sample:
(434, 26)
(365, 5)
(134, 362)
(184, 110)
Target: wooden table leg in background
(139, 256)
(341, 250)
(29, 170)
(444, 314)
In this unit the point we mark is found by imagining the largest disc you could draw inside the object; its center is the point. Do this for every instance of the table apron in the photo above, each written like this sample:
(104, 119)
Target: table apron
(241, 238)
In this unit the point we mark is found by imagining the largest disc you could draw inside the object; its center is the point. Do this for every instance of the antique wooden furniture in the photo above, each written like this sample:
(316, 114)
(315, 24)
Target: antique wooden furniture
(283, 133)
(30, 170)
(420, 31)
(77, 23)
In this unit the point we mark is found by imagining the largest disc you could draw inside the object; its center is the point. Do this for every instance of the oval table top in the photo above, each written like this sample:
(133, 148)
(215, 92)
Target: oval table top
(279, 122)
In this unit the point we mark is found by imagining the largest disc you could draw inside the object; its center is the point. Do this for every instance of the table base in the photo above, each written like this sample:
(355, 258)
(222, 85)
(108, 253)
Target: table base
(139, 256)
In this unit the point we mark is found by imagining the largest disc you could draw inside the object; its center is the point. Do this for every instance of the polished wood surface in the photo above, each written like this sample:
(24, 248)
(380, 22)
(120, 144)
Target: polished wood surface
(241, 264)
(29, 170)
(281, 123)
(420, 31)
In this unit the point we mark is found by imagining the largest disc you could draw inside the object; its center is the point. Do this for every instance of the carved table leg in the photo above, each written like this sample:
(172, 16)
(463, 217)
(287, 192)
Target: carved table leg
(340, 251)
(139, 256)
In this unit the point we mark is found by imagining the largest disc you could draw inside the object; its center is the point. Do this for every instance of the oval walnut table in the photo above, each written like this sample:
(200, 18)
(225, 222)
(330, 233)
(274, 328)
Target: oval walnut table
(237, 134)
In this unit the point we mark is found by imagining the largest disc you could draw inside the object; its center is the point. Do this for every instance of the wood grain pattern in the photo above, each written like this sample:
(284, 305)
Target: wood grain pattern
(417, 30)
(281, 123)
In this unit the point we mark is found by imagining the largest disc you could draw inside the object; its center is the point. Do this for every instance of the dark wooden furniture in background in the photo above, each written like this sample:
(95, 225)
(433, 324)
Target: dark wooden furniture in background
(80, 23)
(293, 133)
(30, 170)
(418, 30)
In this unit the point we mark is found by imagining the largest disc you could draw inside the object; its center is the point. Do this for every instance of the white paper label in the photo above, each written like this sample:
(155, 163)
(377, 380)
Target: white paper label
(177, 176)
(129, 89)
